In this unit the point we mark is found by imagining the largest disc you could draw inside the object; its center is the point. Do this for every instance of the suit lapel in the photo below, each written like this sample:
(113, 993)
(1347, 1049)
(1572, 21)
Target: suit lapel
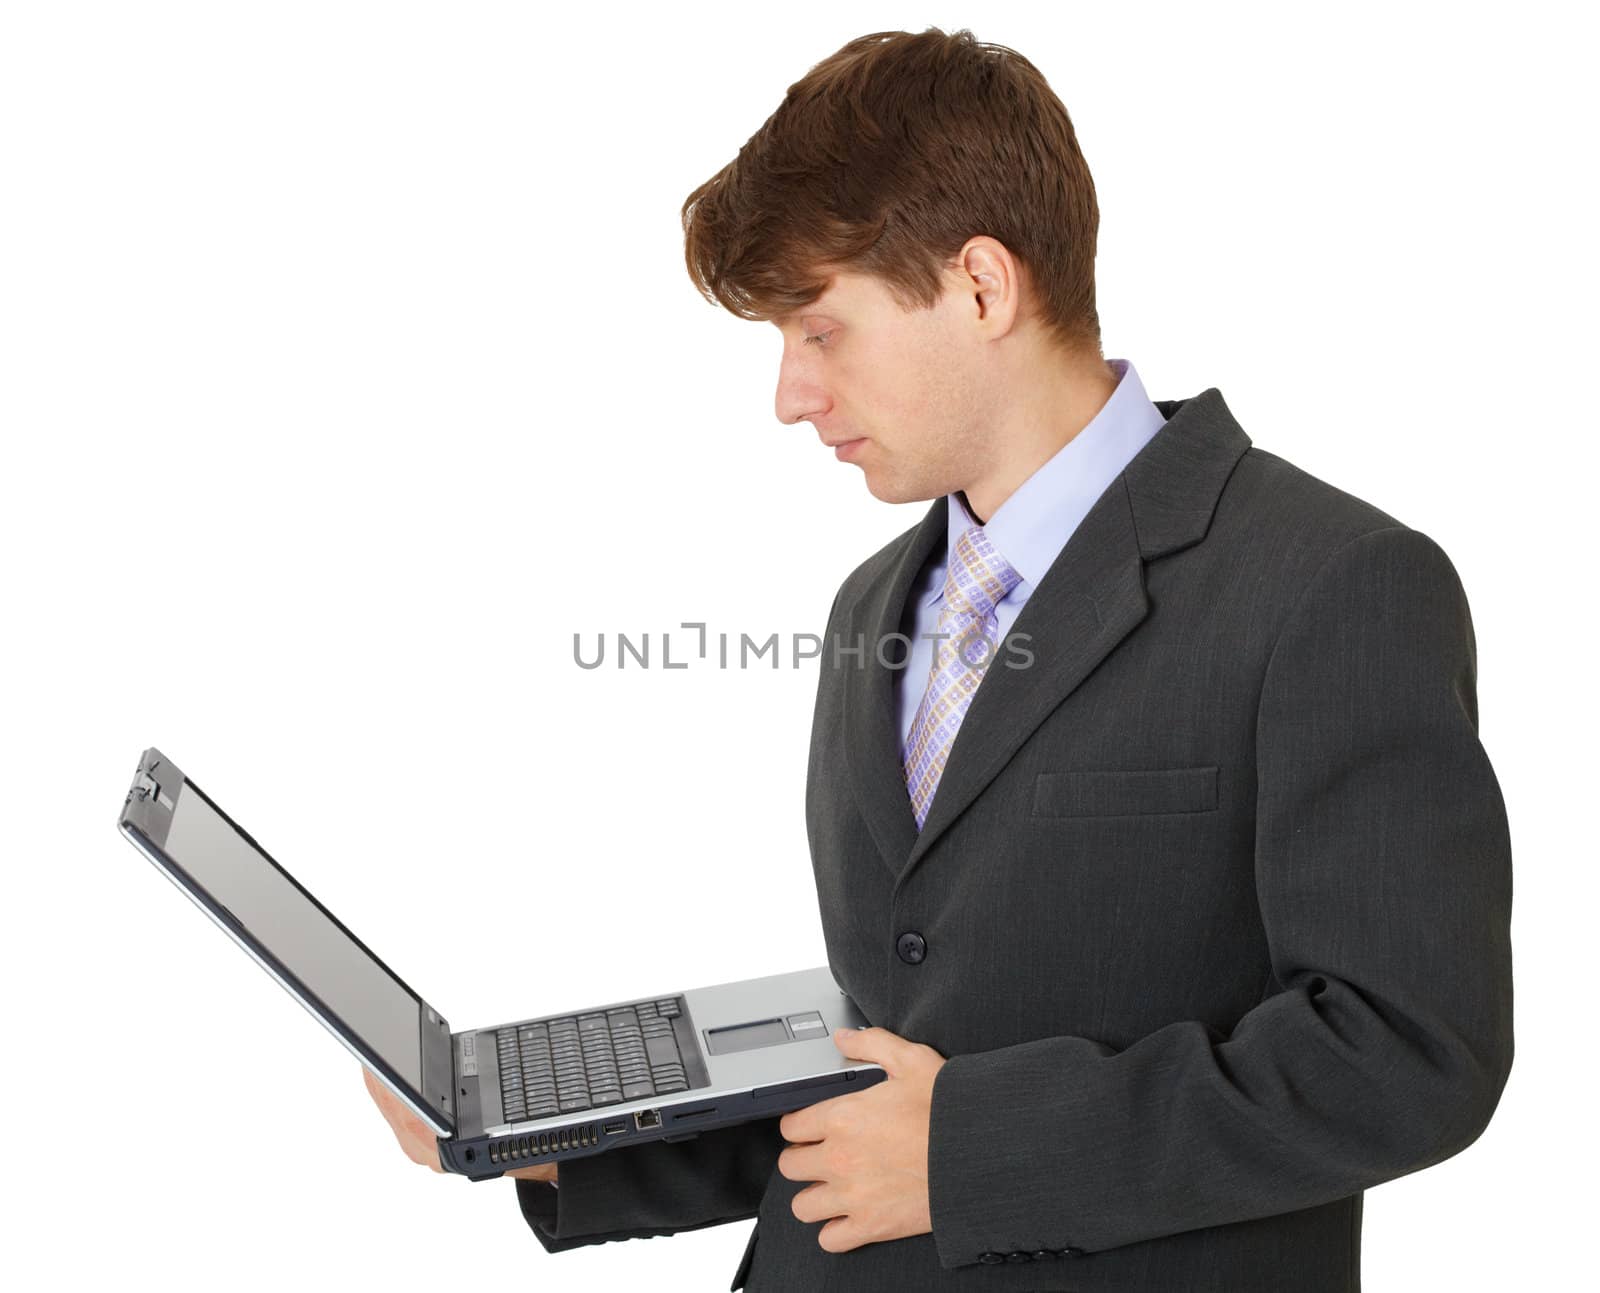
(872, 715)
(1089, 600)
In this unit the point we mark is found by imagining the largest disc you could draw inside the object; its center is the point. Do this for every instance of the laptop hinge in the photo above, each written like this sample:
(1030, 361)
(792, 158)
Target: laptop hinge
(145, 787)
(438, 1066)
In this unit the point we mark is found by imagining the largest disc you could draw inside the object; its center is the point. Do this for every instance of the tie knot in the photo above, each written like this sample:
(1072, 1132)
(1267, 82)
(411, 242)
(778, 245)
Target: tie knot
(979, 577)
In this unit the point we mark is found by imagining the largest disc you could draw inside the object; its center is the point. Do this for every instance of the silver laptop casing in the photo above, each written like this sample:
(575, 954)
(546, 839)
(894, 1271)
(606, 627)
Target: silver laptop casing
(752, 1048)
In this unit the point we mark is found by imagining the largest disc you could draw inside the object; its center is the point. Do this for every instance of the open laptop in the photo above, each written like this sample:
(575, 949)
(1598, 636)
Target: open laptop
(660, 1067)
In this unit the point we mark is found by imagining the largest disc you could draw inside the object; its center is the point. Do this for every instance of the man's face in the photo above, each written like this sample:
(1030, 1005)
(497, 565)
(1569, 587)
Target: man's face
(908, 386)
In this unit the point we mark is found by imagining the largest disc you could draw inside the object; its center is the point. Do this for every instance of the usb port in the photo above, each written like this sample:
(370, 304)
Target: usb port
(614, 1128)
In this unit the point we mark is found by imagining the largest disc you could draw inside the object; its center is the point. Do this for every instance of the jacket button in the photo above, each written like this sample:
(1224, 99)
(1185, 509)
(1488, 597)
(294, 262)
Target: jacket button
(1069, 1252)
(912, 948)
(1018, 1256)
(1043, 1254)
(989, 1259)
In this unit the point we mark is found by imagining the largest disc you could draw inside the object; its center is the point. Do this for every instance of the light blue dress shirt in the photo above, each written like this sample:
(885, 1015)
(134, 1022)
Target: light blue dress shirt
(1031, 527)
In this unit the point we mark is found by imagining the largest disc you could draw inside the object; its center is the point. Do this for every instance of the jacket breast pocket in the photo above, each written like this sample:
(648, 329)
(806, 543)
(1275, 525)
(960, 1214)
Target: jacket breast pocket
(1115, 792)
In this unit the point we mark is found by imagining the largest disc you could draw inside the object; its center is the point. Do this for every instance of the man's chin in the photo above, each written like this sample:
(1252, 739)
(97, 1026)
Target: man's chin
(887, 491)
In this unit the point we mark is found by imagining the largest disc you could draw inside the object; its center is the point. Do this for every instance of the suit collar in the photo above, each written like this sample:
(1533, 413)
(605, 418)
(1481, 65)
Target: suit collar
(1091, 598)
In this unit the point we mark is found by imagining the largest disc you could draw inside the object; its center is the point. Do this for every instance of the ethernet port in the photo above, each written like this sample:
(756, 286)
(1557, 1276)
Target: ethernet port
(647, 1118)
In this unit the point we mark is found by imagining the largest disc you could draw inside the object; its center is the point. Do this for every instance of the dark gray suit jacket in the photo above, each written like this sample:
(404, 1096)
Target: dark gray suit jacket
(1211, 910)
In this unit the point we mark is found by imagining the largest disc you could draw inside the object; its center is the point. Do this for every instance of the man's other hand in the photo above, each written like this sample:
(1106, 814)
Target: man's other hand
(867, 1151)
(417, 1138)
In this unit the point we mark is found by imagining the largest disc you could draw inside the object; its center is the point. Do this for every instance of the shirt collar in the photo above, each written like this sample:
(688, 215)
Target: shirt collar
(1031, 527)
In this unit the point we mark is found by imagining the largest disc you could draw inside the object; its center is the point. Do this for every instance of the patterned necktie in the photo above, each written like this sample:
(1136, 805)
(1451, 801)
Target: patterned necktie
(978, 579)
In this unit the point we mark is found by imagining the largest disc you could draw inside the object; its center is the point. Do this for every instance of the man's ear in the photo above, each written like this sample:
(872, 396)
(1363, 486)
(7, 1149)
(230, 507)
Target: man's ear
(994, 279)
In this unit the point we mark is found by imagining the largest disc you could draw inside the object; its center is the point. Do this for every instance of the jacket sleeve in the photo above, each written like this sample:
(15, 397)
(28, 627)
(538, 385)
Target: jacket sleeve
(658, 1188)
(1383, 870)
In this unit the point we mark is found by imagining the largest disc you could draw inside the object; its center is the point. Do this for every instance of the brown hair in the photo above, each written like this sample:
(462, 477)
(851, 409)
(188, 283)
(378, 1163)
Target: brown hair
(884, 159)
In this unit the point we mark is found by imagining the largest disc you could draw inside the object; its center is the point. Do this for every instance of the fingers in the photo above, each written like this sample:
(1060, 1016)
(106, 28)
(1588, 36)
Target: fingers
(426, 1156)
(538, 1172)
(802, 1163)
(416, 1138)
(398, 1115)
(377, 1090)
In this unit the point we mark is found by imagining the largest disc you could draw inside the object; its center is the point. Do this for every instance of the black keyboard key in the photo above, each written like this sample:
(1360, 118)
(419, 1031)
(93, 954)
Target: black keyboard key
(580, 1062)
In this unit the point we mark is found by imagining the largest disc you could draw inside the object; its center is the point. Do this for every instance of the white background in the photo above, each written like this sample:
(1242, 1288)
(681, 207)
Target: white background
(350, 367)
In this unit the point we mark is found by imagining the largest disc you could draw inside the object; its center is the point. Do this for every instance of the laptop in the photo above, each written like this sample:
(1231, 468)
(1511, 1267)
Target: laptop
(666, 1066)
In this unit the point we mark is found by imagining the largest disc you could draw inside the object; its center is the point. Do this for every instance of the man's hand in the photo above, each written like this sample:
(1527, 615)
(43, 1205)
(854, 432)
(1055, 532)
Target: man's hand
(866, 1151)
(417, 1138)
(414, 1135)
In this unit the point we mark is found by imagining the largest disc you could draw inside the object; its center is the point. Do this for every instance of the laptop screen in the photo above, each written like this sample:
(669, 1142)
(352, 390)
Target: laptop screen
(327, 960)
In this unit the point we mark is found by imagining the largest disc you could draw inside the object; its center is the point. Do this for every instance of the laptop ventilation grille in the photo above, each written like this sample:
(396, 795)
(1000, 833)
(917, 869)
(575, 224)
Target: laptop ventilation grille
(510, 1149)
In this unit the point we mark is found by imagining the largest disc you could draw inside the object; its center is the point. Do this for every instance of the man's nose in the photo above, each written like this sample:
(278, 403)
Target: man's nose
(797, 398)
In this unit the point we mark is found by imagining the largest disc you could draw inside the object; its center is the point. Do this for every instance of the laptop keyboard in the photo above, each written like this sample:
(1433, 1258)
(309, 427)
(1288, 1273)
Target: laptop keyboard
(585, 1061)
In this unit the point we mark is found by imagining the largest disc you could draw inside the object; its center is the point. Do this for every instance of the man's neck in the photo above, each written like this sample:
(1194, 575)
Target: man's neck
(1055, 413)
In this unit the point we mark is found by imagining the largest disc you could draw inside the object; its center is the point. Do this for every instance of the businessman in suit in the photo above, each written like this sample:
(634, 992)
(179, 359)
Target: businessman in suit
(1148, 816)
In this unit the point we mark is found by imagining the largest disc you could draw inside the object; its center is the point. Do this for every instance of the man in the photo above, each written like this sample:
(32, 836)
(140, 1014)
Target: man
(1147, 811)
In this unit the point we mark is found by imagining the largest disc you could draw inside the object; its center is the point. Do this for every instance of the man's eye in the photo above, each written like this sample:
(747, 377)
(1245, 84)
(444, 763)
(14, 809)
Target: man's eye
(819, 338)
